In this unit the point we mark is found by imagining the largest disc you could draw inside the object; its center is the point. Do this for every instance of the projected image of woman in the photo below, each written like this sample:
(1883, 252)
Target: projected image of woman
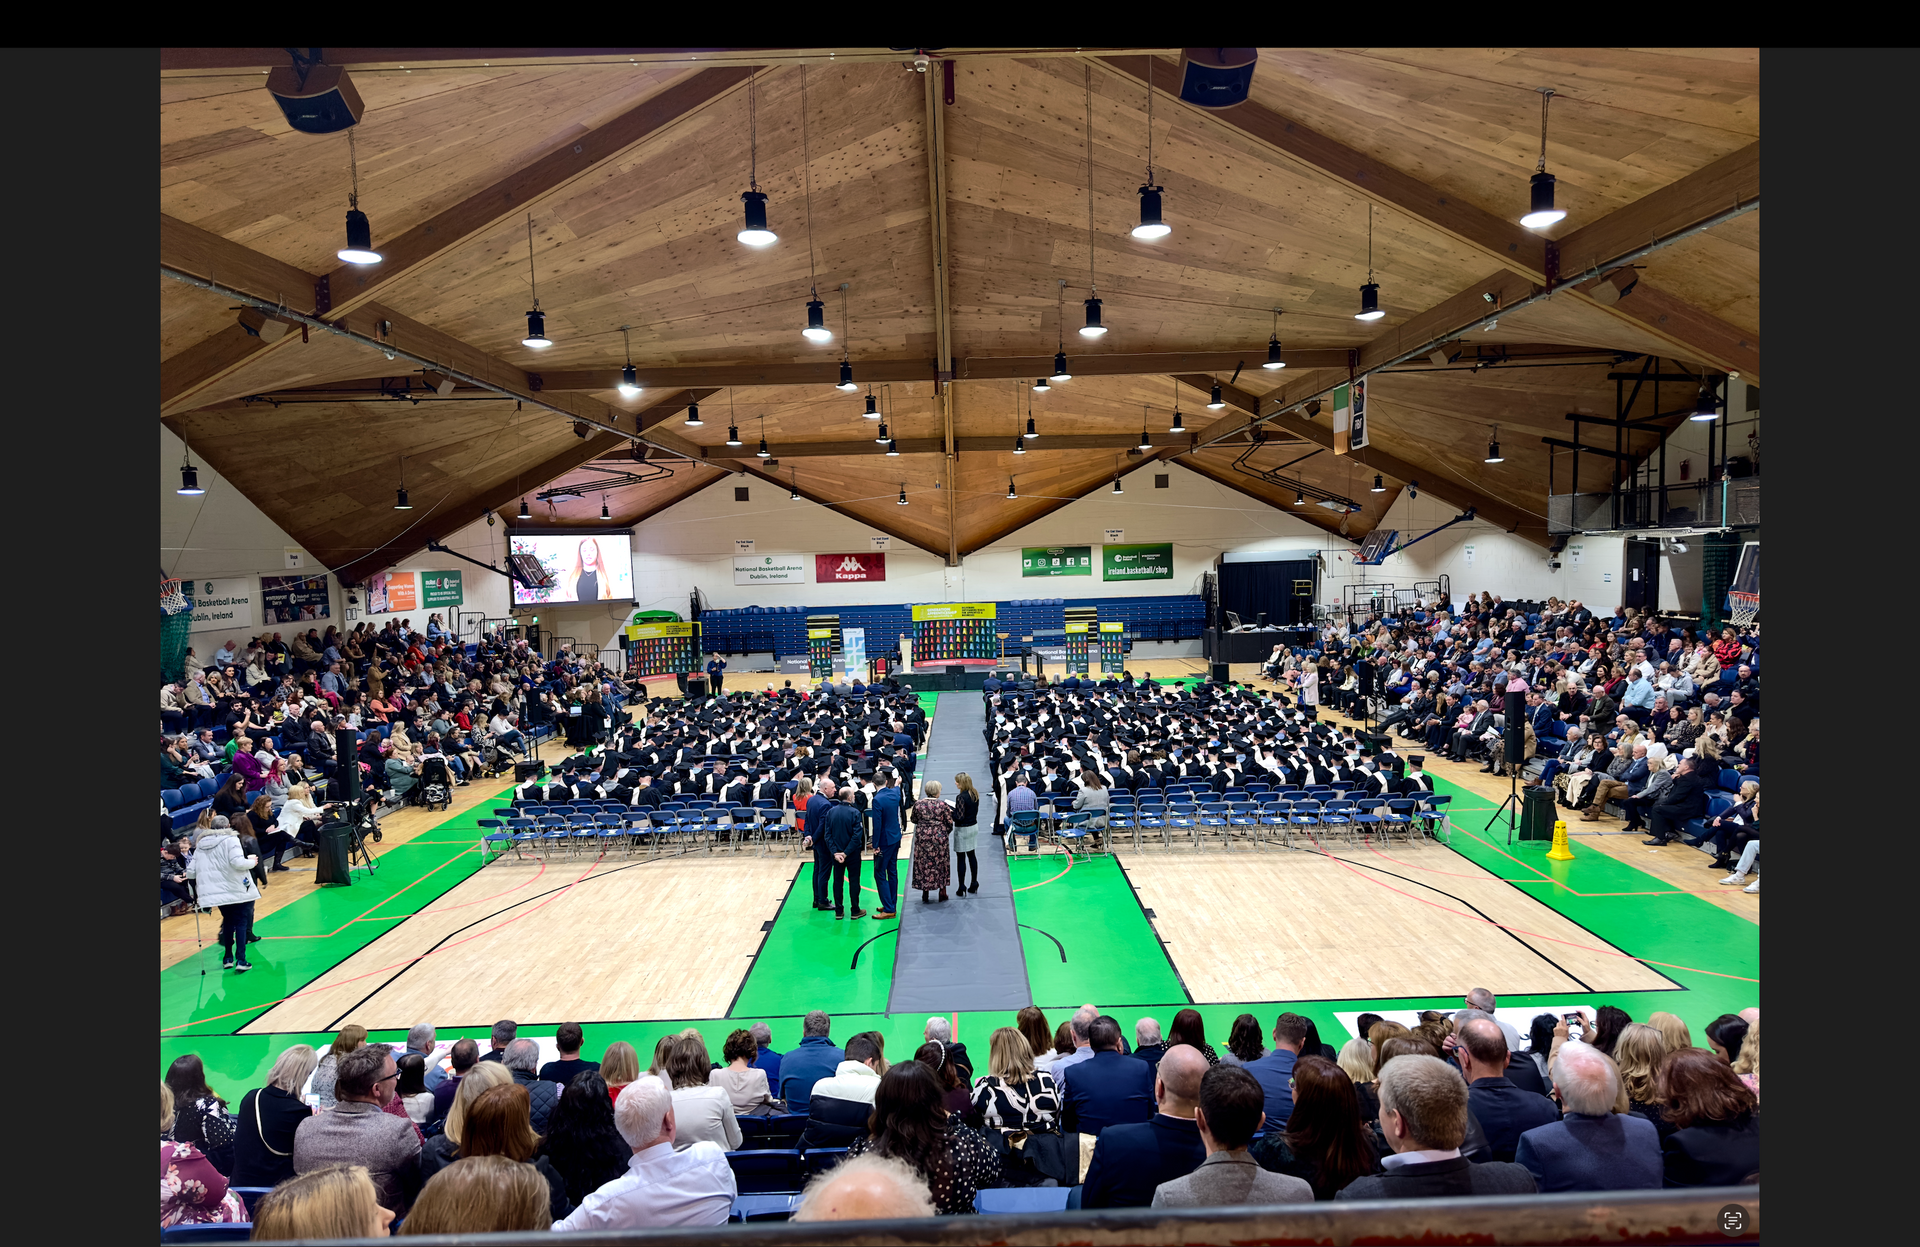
(588, 579)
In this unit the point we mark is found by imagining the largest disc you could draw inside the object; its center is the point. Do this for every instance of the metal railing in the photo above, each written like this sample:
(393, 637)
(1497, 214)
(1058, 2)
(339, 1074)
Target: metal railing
(1698, 505)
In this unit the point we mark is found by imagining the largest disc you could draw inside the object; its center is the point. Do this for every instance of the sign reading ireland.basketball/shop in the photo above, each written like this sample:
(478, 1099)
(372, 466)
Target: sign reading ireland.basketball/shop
(1146, 562)
(1056, 561)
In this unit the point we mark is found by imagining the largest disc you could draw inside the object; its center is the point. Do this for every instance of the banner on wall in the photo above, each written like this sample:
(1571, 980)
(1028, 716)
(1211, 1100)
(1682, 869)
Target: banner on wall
(839, 568)
(391, 593)
(769, 569)
(291, 599)
(1138, 562)
(1056, 561)
(221, 605)
(440, 589)
(1357, 426)
(1342, 419)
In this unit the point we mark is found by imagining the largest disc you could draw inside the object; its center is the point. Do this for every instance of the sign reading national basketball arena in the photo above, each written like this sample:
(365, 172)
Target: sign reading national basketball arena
(840, 568)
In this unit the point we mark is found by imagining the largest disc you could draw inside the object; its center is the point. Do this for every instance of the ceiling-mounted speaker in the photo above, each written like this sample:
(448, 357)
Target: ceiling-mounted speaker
(324, 103)
(262, 326)
(640, 452)
(1216, 77)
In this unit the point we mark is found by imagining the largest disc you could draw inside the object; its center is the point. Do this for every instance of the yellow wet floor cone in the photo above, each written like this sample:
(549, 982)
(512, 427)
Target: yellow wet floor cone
(1559, 852)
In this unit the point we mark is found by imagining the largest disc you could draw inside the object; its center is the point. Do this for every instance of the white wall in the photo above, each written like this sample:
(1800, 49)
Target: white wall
(221, 534)
(691, 544)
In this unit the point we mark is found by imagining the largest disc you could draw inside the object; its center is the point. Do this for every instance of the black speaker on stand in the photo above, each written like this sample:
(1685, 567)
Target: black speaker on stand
(346, 763)
(1513, 746)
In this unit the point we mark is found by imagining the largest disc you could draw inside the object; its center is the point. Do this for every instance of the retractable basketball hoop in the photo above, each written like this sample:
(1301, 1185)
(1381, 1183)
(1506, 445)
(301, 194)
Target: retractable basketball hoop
(1743, 595)
(1743, 608)
(172, 601)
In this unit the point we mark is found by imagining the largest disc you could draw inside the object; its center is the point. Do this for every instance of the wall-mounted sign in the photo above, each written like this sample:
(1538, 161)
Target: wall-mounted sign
(1468, 551)
(1137, 562)
(1056, 561)
(221, 605)
(840, 568)
(955, 610)
(290, 599)
(1115, 535)
(743, 547)
(770, 569)
(881, 543)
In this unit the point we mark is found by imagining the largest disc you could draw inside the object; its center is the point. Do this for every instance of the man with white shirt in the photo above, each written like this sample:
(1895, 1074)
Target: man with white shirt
(661, 1187)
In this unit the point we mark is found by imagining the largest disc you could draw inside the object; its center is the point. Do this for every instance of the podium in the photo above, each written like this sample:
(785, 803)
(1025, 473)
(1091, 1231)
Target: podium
(331, 853)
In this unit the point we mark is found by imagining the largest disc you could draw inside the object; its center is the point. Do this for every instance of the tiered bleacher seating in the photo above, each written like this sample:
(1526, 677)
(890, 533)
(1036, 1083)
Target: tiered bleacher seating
(782, 630)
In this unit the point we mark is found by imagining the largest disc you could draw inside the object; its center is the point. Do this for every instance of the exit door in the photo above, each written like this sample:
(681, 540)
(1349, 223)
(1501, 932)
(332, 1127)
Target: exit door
(1642, 588)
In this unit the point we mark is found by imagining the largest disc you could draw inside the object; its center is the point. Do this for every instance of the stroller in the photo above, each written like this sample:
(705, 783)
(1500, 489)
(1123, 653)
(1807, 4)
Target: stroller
(435, 788)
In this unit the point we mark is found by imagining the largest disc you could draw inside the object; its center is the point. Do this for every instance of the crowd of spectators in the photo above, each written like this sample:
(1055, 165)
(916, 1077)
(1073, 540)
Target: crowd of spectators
(1457, 1105)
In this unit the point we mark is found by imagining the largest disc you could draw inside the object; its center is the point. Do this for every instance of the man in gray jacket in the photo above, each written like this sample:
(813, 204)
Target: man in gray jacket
(1231, 1109)
(357, 1130)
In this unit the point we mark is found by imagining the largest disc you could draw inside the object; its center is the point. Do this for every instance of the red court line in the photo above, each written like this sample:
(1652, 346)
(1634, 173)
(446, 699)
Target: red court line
(483, 900)
(1044, 882)
(270, 1004)
(1610, 952)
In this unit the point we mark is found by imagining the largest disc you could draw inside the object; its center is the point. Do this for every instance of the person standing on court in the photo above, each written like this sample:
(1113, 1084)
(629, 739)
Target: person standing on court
(815, 835)
(846, 836)
(716, 672)
(966, 832)
(932, 827)
(886, 844)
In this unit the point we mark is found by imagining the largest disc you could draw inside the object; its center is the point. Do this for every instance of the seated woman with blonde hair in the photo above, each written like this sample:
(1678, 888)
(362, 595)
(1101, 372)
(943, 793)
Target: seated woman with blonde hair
(336, 1201)
(481, 1195)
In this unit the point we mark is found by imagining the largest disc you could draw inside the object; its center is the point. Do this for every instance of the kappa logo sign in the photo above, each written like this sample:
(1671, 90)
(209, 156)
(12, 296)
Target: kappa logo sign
(841, 568)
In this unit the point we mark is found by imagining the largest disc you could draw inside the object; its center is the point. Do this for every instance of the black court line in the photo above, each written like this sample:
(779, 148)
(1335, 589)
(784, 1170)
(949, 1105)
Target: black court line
(855, 965)
(766, 933)
(1133, 890)
(1056, 943)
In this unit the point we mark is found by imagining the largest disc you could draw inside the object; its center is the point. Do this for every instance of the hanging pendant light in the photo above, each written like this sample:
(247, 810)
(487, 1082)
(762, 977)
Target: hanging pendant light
(846, 377)
(524, 513)
(400, 502)
(604, 513)
(763, 452)
(1179, 423)
(1540, 211)
(189, 475)
(903, 495)
(1214, 401)
(1041, 386)
(893, 449)
(536, 320)
(816, 330)
(1493, 447)
(1369, 293)
(1116, 485)
(1379, 485)
(846, 346)
(1146, 439)
(754, 233)
(1060, 372)
(793, 486)
(873, 408)
(733, 435)
(1413, 489)
(1031, 431)
(359, 248)
(693, 416)
(1705, 408)
(629, 378)
(1011, 493)
(881, 435)
(1274, 361)
(1151, 226)
(1299, 497)
(1093, 328)
(1019, 444)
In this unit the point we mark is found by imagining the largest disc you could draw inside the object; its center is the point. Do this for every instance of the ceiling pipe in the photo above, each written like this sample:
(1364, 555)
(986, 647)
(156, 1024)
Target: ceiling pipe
(392, 351)
(1598, 269)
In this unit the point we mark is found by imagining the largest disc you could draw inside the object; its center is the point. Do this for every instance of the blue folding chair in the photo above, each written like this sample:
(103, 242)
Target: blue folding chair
(1212, 818)
(612, 831)
(493, 835)
(525, 836)
(1279, 815)
(1025, 823)
(763, 1207)
(1402, 813)
(1072, 830)
(1434, 820)
(1306, 815)
(1367, 817)
(583, 834)
(1337, 816)
(1153, 817)
(1243, 819)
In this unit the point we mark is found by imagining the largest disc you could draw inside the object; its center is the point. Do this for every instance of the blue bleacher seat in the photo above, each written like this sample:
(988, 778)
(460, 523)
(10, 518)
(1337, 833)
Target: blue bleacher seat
(1000, 1201)
(767, 1170)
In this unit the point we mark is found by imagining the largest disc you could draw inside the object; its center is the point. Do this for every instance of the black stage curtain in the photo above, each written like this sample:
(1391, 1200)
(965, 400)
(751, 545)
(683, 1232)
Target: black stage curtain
(1249, 588)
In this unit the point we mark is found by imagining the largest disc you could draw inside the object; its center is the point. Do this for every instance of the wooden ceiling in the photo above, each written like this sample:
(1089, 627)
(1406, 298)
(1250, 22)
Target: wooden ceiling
(963, 223)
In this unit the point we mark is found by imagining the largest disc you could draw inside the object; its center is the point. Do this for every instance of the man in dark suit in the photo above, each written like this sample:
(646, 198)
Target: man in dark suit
(816, 839)
(1467, 739)
(1130, 1160)
(1147, 1045)
(1684, 799)
(886, 843)
(1592, 1148)
(1423, 1114)
(1109, 1088)
(1274, 1071)
(1504, 1111)
(846, 836)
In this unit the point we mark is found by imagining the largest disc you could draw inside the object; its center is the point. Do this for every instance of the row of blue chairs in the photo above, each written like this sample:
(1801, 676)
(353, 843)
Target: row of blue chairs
(1258, 821)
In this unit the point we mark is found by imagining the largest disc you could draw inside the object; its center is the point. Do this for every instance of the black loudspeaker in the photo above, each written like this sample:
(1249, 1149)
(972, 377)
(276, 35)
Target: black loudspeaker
(324, 102)
(1216, 77)
(1516, 720)
(1536, 813)
(1217, 672)
(331, 848)
(346, 771)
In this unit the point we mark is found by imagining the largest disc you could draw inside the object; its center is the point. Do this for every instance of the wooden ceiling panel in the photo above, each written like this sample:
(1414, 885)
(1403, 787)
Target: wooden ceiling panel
(628, 504)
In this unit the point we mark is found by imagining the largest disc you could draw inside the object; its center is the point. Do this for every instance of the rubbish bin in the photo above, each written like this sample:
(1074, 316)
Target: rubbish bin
(1537, 813)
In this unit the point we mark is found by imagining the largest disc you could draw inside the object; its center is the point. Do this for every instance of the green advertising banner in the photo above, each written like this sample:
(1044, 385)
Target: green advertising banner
(1056, 561)
(440, 589)
(1151, 562)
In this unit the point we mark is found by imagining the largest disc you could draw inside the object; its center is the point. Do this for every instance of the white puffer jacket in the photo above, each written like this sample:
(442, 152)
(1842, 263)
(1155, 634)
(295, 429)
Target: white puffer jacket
(223, 868)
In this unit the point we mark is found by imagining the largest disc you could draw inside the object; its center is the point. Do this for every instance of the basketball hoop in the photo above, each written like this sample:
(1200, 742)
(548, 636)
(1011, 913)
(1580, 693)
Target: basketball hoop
(1743, 608)
(172, 601)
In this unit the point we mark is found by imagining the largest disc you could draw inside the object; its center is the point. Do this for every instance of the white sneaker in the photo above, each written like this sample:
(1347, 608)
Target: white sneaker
(1753, 887)
(1734, 878)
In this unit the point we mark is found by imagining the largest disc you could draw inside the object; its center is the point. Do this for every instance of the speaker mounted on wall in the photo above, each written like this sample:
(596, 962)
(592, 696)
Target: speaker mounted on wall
(1216, 77)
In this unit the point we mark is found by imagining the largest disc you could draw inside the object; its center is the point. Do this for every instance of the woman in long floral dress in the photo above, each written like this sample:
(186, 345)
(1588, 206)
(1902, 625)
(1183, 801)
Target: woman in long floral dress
(932, 828)
(191, 1190)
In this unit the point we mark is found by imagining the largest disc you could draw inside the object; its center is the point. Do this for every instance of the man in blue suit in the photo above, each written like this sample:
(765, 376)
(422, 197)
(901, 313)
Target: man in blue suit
(818, 806)
(1274, 1071)
(1129, 1161)
(1109, 1088)
(1592, 1148)
(886, 844)
(1504, 1111)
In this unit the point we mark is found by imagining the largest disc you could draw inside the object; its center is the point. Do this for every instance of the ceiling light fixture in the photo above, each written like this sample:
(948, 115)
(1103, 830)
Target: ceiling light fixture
(1151, 226)
(536, 319)
(1019, 444)
(1214, 401)
(1541, 212)
(754, 233)
(1273, 345)
(1379, 484)
(816, 330)
(733, 435)
(400, 502)
(1116, 477)
(1299, 497)
(1060, 372)
(1041, 386)
(604, 513)
(873, 407)
(1706, 408)
(1413, 489)
(893, 449)
(793, 486)
(846, 377)
(693, 416)
(763, 452)
(881, 434)
(189, 475)
(1092, 328)
(1032, 431)
(629, 378)
(846, 345)
(524, 513)
(1146, 438)
(1493, 447)
(1369, 293)
(902, 501)
(1116, 486)
(1011, 492)
(359, 248)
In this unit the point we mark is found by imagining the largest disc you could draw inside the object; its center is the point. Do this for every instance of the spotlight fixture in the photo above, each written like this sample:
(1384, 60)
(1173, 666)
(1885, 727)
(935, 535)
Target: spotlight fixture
(1379, 485)
(903, 495)
(754, 233)
(693, 416)
(1369, 293)
(1093, 328)
(893, 449)
(1273, 345)
(1041, 386)
(873, 408)
(846, 377)
(189, 475)
(536, 319)
(1541, 212)
(629, 378)
(604, 513)
(1493, 447)
(816, 330)
(1705, 408)
(1011, 492)
(1215, 402)
(524, 513)
(733, 435)
(359, 248)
